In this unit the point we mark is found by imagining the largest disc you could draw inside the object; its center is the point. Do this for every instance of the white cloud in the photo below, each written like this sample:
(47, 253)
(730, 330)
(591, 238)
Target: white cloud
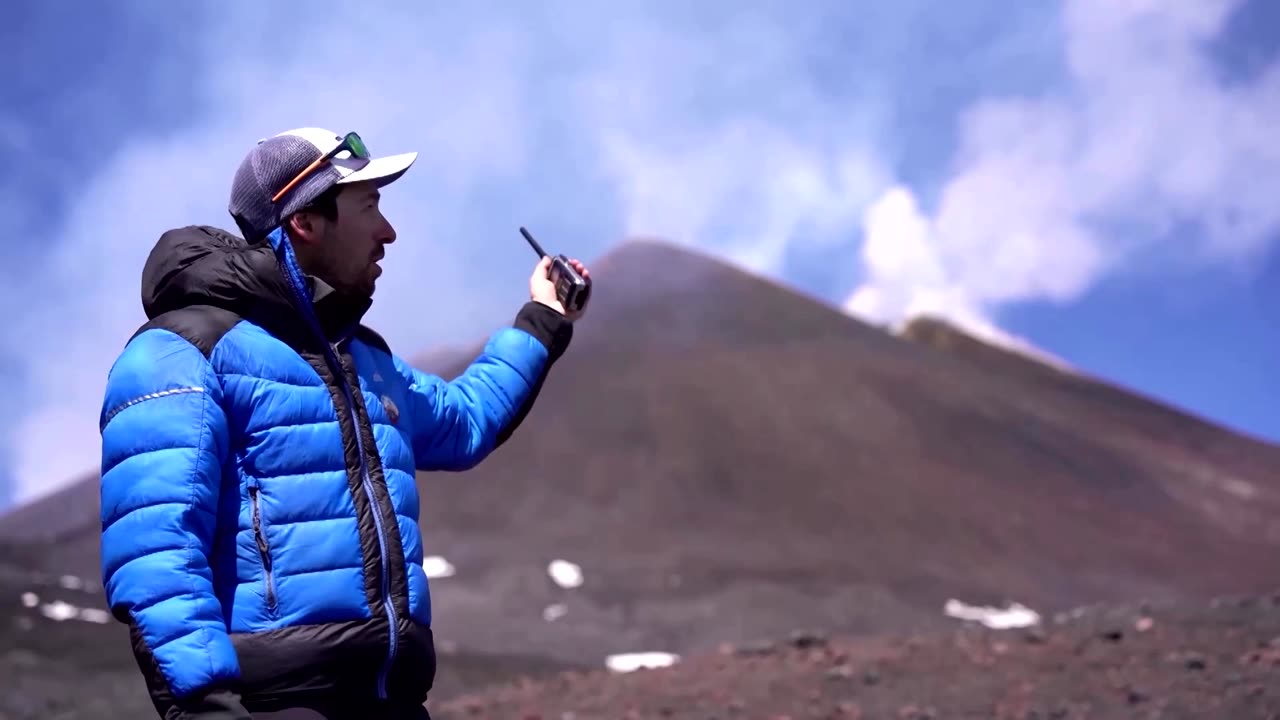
(1052, 193)
(911, 279)
(718, 125)
(542, 112)
(780, 188)
(91, 281)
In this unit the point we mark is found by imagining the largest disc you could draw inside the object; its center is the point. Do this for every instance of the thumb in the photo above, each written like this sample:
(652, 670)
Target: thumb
(543, 268)
(541, 276)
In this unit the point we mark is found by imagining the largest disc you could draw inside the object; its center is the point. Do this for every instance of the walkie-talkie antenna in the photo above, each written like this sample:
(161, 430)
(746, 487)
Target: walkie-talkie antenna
(533, 243)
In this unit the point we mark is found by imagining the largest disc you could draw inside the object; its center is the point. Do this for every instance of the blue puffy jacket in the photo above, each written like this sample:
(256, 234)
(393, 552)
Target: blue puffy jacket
(259, 507)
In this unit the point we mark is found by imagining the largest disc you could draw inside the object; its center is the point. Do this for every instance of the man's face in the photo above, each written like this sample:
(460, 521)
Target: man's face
(345, 252)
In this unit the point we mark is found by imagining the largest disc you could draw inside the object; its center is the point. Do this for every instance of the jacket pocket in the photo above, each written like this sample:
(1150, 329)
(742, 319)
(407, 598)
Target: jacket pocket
(264, 550)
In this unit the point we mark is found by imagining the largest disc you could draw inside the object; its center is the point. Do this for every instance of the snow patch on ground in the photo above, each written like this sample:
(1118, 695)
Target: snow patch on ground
(629, 662)
(565, 574)
(59, 610)
(1015, 615)
(436, 566)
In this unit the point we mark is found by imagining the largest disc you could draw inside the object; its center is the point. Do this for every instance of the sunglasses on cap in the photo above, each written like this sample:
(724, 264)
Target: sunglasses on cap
(351, 143)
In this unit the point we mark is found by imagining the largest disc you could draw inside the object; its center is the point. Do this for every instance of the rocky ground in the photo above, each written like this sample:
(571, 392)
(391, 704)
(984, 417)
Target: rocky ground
(1219, 661)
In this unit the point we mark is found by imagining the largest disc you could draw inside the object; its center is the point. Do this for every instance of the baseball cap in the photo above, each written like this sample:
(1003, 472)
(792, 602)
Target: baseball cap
(284, 173)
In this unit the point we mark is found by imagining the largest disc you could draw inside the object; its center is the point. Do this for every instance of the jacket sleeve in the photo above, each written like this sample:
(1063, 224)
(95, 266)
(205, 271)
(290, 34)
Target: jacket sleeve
(458, 423)
(164, 439)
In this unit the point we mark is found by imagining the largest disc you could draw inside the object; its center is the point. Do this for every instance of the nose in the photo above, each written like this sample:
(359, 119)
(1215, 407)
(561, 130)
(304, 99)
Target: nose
(387, 233)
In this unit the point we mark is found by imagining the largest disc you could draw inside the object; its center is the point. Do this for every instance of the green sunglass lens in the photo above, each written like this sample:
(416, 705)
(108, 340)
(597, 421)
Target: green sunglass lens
(357, 146)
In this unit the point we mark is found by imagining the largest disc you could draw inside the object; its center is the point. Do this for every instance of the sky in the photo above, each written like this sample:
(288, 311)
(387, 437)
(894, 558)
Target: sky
(1095, 181)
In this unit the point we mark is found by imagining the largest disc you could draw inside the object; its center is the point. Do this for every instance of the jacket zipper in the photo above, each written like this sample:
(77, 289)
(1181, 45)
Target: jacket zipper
(263, 550)
(293, 275)
(367, 483)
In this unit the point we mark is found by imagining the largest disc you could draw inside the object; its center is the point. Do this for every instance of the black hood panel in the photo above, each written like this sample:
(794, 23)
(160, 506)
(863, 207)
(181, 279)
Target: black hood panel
(202, 265)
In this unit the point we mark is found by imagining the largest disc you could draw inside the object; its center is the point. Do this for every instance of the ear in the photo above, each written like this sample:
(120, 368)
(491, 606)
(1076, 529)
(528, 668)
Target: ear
(304, 227)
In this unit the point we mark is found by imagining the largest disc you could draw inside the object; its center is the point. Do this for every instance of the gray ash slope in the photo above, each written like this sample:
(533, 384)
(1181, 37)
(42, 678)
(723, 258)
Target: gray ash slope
(728, 459)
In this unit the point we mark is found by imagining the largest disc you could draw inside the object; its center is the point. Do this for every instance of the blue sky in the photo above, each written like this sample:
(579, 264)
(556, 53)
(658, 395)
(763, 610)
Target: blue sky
(1095, 180)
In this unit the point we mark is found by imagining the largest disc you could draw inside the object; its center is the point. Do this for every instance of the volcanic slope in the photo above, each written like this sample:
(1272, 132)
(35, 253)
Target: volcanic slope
(1210, 453)
(726, 459)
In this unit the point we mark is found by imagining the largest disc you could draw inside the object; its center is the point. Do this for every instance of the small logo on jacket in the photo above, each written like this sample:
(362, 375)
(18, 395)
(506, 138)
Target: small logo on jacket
(393, 412)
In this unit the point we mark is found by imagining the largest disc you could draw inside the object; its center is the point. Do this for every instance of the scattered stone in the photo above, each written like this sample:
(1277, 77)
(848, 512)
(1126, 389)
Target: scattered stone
(1112, 635)
(806, 639)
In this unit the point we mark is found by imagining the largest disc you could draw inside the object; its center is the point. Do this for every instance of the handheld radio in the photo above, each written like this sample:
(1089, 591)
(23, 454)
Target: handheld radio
(571, 289)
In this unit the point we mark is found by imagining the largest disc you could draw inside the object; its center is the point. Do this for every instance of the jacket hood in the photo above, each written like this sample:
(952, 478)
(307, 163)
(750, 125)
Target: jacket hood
(203, 265)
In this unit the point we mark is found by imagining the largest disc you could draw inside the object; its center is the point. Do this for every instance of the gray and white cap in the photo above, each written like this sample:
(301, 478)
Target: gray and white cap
(277, 161)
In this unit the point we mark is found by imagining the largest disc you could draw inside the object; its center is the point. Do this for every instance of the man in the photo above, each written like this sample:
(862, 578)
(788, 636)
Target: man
(259, 445)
